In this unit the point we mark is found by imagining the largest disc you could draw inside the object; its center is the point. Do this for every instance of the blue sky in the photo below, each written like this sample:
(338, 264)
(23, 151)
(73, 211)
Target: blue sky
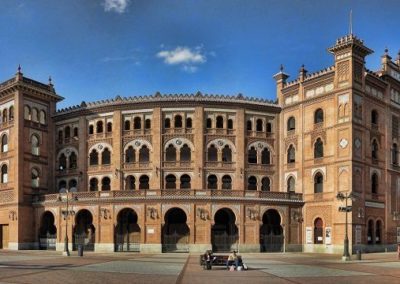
(97, 49)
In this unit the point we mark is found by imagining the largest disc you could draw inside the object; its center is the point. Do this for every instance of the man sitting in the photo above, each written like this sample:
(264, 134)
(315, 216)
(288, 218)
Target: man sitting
(232, 259)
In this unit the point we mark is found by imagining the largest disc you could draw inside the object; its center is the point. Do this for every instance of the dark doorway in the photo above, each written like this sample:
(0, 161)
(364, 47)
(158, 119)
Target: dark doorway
(271, 232)
(47, 232)
(127, 231)
(84, 231)
(175, 236)
(224, 232)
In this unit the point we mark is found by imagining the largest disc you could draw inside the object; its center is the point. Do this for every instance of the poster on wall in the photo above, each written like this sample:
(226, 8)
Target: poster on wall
(398, 235)
(309, 235)
(328, 235)
(358, 234)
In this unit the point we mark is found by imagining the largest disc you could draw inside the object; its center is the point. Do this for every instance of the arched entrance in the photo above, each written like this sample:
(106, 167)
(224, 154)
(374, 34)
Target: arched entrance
(318, 231)
(271, 232)
(84, 231)
(127, 231)
(47, 232)
(224, 233)
(175, 233)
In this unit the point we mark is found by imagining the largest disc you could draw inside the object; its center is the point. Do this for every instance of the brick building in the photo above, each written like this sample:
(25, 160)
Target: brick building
(216, 172)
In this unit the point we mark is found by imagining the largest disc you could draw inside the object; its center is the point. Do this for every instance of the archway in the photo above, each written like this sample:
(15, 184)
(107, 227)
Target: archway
(224, 232)
(271, 232)
(318, 231)
(84, 231)
(47, 232)
(175, 236)
(127, 231)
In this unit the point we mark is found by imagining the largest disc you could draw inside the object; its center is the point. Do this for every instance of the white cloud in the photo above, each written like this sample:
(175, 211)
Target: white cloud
(186, 57)
(118, 6)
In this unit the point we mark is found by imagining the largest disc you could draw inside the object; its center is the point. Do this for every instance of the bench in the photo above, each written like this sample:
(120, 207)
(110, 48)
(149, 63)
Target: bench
(218, 260)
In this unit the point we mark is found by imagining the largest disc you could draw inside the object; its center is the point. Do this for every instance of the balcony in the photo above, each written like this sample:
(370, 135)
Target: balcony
(137, 166)
(178, 164)
(7, 124)
(220, 164)
(96, 168)
(178, 130)
(260, 167)
(219, 131)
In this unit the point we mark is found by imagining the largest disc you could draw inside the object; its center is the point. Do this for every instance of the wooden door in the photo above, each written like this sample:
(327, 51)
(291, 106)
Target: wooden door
(4, 236)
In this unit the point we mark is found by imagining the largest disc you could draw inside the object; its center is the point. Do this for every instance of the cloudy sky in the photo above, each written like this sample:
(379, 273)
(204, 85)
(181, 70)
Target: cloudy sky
(97, 49)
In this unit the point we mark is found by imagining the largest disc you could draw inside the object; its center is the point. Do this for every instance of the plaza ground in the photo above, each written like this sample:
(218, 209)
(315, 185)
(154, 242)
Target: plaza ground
(51, 267)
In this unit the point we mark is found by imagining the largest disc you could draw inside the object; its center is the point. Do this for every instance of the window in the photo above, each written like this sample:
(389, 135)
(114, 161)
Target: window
(178, 121)
(137, 123)
(374, 183)
(62, 185)
(265, 184)
(252, 183)
(259, 125)
(127, 125)
(109, 126)
(72, 184)
(212, 182)
(370, 229)
(226, 154)
(291, 183)
(189, 122)
(4, 174)
(91, 129)
(5, 115)
(4, 143)
(35, 178)
(73, 161)
(185, 182)
(27, 113)
(318, 149)
(106, 184)
(67, 132)
(60, 137)
(35, 115)
(93, 184)
(42, 117)
(11, 113)
(265, 156)
(291, 155)
(374, 150)
(395, 154)
(170, 182)
(167, 123)
(144, 154)
(291, 124)
(106, 157)
(212, 154)
(130, 182)
(220, 122)
(186, 153)
(35, 145)
(230, 124)
(318, 183)
(144, 182)
(147, 123)
(269, 127)
(209, 123)
(130, 155)
(374, 117)
(170, 153)
(378, 232)
(226, 182)
(318, 116)
(93, 158)
(62, 162)
(76, 134)
(249, 125)
(252, 155)
(99, 127)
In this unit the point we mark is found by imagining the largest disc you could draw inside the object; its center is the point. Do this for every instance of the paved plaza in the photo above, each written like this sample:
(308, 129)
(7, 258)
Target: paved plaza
(51, 267)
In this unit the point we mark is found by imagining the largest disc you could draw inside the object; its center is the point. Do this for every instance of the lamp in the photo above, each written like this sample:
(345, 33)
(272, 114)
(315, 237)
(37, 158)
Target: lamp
(344, 196)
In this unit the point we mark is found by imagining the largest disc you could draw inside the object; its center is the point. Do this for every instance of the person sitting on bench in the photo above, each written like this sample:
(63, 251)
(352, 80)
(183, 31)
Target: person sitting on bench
(232, 260)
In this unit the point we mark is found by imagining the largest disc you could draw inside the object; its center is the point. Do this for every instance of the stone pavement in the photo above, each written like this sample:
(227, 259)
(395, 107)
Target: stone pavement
(50, 267)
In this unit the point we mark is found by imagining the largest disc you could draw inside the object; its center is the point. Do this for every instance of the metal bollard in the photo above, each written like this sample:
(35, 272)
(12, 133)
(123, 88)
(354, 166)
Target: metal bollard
(359, 254)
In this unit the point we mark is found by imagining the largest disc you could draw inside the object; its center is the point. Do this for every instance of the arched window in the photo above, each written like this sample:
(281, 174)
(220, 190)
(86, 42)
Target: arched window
(252, 183)
(318, 231)
(259, 125)
(395, 160)
(4, 143)
(144, 154)
(67, 132)
(60, 137)
(230, 123)
(109, 126)
(226, 154)
(73, 161)
(370, 230)
(105, 184)
(212, 182)
(269, 127)
(291, 184)
(106, 157)
(209, 123)
(27, 113)
(35, 178)
(127, 125)
(62, 162)
(93, 158)
(147, 123)
(318, 183)
(170, 153)
(167, 123)
(266, 184)
(319, 116)
(11, 113)
(5, 115)
(249, 125)
(137, 123)
(374, 150)
(374, 117)
(291, 123)
(178, 121)
(185, 182)
(212, 154)
(72, 183)
(170, 182)
(252, 156)
(93, 184)
(374, 183)
(42, 117)
(99, 127)
(378, 232)
(130, 183)
(226, 182)
(35, 145)
(189, 122)
(4, 174)
(265, 156)
(76, 133)
(186, 154)
(318, 149)
(220, 122)
(130, 155)
(91, 129)
(62, 185)
(144, 182)
(291, 154)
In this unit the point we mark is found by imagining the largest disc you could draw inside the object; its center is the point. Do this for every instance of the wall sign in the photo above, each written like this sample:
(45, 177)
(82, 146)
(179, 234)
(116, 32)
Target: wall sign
(328, 235)
(358, 234)
(309, 235)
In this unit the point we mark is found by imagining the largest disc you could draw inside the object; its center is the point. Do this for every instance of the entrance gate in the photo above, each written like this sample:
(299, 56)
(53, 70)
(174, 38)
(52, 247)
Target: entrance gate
(127, 233)
(47, 232)
(271, 232)
(224, 233)
(176, 233)
(3, 236)
(84, 231)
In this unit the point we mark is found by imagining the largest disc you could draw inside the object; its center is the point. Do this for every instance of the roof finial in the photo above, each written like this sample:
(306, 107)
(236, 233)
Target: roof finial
(281, 68)
(386, 51)
(19, 69)
(351, 22)
(50, 81)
